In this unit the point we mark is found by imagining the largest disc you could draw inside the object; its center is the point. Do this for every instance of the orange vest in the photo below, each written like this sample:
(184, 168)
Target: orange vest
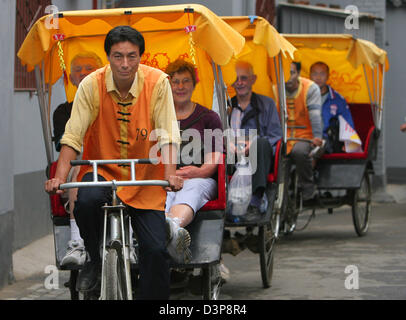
(122, 132)
(298, 114)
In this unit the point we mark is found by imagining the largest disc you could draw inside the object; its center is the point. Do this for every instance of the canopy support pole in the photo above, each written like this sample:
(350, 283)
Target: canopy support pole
(382, 96)
(370, 95)
(218, 80)
(282, 99)
(375, 95)
(46, 130)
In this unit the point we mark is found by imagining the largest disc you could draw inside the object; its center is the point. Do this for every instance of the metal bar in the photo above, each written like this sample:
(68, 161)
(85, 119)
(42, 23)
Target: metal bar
(382, 96)
(103, 278)
(219, 95)
(282, 97)
(43, 114)
(300, 139)
(126, 259)
(126, 183)
(223, 106)
(47, 101)
(378, 104)
(374, 95)
(121, 161)
(132, 170)
(369, 93)
(94, 164)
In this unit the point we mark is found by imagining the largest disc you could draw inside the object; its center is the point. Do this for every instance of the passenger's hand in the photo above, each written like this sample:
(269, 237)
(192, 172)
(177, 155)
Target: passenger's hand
(247, 147)
(403, 127)
(317, 142)
(188, 172)
(52, 186)
(232, 147)
(175, 184)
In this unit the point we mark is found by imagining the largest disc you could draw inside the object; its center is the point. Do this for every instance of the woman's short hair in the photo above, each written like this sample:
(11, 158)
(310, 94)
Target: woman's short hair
(180, 66)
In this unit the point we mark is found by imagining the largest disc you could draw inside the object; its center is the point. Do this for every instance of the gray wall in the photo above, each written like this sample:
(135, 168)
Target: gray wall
(32, 212)
(395, 101)
(7, 18)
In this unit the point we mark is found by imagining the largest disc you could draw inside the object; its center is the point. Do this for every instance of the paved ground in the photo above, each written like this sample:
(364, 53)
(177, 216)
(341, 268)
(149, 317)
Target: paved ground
(308, 265)
(311, 264)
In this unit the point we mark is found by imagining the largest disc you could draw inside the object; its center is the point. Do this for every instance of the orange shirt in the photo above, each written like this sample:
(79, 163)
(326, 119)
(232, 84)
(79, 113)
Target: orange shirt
(122, 130)
(298, 114)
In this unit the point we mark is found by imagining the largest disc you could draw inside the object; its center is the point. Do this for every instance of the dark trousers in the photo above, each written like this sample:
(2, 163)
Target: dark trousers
(264, 163)
(149, 226)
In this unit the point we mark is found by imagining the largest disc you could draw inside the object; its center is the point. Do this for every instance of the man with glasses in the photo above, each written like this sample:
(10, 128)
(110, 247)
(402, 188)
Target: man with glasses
(253, 111)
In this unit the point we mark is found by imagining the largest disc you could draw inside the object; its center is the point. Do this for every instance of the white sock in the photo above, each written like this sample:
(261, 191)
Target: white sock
(74, 230)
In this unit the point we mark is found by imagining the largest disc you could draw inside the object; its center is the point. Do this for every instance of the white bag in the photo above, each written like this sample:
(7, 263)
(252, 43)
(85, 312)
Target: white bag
(240, 188)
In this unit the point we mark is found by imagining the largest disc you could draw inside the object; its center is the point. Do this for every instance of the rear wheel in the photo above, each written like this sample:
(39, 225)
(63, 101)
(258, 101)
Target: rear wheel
(361, 206)
(212, 282)
(267, 241)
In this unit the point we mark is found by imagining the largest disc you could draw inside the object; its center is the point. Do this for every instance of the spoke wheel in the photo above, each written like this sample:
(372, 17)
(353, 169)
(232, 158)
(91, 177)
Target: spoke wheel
(212, 282)
(361, 206)
(267, 239)
(115, 276)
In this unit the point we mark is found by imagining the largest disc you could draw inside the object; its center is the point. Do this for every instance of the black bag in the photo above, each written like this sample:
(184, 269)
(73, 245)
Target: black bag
(333, 144)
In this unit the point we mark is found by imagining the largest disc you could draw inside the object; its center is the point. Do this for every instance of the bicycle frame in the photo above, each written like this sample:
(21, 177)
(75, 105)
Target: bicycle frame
(118, 236)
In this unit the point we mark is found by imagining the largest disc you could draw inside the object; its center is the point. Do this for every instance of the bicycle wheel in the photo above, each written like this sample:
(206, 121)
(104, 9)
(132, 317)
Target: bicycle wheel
(361, 206)
(115, 276)
(267, 239)
(212, 282)
(291, 200)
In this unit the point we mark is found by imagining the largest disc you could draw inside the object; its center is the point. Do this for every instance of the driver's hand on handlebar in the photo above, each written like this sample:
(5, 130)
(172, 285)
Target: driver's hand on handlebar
(52, 186)
(175, 183)
(317, 142)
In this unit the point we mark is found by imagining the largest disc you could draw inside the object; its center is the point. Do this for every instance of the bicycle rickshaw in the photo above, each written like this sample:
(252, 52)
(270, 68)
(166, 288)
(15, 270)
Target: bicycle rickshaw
(190, 32)
(270, 55)
(357, 70)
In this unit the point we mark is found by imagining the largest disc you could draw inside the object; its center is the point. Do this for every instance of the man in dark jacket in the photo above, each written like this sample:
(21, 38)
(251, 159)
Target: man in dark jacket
(252, 111)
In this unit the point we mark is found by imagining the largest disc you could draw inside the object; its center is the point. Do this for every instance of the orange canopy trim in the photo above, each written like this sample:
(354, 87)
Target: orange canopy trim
(163, 27)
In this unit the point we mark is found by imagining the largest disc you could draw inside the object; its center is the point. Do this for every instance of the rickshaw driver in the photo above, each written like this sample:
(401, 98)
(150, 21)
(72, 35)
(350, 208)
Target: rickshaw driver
(333, 103)
(109, 106)
(251, 110)
(304, 104)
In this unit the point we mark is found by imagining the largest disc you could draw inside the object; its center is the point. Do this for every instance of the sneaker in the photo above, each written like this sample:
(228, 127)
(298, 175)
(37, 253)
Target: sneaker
(224, 272)
(178, 242)
(253, 214)
(133, 255)
(75, 255)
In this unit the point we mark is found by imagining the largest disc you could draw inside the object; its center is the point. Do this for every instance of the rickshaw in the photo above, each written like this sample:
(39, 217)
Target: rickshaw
(190, 32)
(270, 55)
(357, 70)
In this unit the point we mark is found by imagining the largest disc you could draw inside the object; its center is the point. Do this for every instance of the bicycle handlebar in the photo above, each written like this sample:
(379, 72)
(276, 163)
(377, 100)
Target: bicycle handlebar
(124, 183)
(114, 183)
(113, 161)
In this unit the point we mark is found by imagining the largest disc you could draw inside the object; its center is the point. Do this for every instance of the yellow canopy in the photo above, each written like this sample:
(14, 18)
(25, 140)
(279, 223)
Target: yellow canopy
(262, 44)
(346, 57)
(163, 28)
